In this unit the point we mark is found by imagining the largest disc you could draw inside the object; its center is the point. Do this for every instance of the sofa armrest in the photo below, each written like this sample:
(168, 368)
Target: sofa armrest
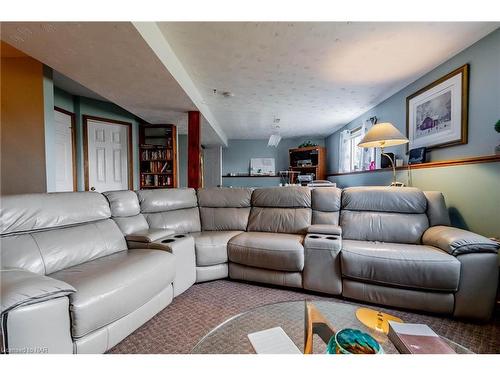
(149, 235)
(457, 241)
(325, 229)
(20, 287)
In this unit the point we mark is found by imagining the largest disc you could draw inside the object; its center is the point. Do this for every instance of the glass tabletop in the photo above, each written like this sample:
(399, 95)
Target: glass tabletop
(231, 337)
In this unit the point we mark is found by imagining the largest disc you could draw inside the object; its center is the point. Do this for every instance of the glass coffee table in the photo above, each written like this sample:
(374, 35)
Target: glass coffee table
(231, 337)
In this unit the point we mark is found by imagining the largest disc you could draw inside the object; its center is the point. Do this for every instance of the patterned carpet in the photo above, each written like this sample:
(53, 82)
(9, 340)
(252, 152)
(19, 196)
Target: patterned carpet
(179, 327)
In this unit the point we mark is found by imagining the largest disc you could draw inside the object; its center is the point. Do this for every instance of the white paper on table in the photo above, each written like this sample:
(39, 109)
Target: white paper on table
(273, 341)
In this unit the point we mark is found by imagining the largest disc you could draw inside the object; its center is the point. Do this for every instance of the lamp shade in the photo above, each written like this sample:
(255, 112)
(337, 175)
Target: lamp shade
(383, 135)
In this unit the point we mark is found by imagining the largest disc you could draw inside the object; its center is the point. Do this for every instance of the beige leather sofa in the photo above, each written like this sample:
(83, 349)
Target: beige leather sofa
(80, 271)
(69, 284)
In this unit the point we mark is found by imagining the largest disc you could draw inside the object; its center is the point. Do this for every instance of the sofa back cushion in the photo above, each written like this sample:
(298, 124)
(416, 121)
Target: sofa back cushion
(224, 208)
(280, 210)
(388, 214)
(126, 211)
(325, 205)
(174, 209)
(437, 212)
(45, 233)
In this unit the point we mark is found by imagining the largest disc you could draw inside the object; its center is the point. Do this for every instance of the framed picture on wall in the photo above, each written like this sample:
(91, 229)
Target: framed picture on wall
(436, 115)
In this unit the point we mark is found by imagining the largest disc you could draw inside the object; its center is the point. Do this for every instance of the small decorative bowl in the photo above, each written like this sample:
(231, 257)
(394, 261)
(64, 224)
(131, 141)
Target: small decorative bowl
(353, 341)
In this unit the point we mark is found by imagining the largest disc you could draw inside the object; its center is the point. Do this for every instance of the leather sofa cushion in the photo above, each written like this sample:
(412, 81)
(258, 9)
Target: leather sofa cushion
(180, 221)
(324, 217)
(131, 224)
(53, 250)
(437, 212)
(111, 287)
(326, 199)
(34, 212)
(457, 241)
(260, 275)
(279, 220)
(123, 203)
(224, 197)
(284, 197)
(384, 199)
(166, 199)
(211, 246)
(231, 218)
(400, 265)
(20, 287)
(383, 226)
(421, 300)
(273, 251)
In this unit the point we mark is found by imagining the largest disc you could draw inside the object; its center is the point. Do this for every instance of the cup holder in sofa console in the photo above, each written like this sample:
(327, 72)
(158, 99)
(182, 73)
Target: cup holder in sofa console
(168, 240)
(179, 236)
(332, 238)
(313, 236)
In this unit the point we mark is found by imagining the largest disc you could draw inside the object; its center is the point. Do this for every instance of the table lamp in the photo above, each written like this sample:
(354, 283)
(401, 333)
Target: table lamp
(384, 135)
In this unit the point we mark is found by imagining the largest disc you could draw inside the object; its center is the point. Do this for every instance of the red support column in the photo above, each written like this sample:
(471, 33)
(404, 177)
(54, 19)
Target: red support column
(194, 150)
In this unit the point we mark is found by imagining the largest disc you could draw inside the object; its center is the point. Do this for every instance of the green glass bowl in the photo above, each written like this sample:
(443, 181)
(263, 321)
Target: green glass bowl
(353, 341)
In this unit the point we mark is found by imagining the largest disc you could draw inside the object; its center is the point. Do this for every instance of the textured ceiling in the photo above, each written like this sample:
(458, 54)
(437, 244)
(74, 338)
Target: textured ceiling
(110, 61)
(74, 88)
(315, 77)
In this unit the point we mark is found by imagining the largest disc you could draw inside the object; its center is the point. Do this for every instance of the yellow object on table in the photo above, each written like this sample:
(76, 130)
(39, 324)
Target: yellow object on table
(376, 320)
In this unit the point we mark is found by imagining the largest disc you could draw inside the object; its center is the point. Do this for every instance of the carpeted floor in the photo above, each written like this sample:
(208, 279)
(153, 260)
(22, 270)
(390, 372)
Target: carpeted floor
(193, 314)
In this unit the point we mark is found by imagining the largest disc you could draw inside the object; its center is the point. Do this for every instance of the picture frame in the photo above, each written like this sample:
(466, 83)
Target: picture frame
(437, 115)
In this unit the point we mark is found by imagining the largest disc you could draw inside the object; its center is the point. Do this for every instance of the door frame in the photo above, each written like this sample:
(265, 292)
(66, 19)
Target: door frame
(73, 142)
(106, 121)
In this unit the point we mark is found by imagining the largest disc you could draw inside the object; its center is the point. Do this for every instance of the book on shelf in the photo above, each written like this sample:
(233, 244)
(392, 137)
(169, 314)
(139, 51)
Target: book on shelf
(411, 338)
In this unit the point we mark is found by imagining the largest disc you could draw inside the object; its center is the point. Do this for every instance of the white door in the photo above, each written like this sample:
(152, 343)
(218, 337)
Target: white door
(107, 156)
(64, 152)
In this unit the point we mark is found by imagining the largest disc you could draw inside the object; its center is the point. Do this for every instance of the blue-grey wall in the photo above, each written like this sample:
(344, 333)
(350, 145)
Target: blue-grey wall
(472, 191)
(236, 159)
(86, 106)
(484, 104)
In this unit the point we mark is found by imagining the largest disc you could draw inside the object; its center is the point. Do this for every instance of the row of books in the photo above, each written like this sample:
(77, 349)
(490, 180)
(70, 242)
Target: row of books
(156, 180)
(156, 167)
(163, 154)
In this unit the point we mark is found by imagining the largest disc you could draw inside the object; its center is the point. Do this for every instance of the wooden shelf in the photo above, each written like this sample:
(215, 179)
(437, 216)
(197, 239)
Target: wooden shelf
(316, 154)
(433, 164)
(251, 176)
(166, 153)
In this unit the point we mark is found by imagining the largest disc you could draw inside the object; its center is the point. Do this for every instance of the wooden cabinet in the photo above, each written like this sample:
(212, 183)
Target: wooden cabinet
(157, 156)
(308, 160)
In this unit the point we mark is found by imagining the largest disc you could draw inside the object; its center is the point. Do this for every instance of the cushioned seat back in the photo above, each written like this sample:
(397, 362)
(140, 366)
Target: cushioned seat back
(326, 205)
(45, 233)
(174, 209)
(388, 214)
(280, 210)
(224, 208)
(126, 211)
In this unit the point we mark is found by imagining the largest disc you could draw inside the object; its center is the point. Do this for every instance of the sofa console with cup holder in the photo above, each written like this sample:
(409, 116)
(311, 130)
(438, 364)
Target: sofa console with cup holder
(81, 271)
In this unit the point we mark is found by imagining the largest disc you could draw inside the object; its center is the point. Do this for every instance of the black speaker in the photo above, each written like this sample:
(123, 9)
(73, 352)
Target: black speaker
(384, 160)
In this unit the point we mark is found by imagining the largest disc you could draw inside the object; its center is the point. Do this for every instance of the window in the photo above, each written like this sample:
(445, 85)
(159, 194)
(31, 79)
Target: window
(353, 158)
(356, 157)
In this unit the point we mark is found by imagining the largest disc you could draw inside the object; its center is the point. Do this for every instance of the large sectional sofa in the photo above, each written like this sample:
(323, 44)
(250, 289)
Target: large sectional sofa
(81, 271)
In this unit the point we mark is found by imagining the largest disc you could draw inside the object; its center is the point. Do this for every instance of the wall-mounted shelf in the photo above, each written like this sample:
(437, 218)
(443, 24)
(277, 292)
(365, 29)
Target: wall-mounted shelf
(251, 176)
(433, 164)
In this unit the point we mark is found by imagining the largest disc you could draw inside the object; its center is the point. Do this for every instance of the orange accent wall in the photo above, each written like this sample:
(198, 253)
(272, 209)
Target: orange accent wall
(22, 152)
